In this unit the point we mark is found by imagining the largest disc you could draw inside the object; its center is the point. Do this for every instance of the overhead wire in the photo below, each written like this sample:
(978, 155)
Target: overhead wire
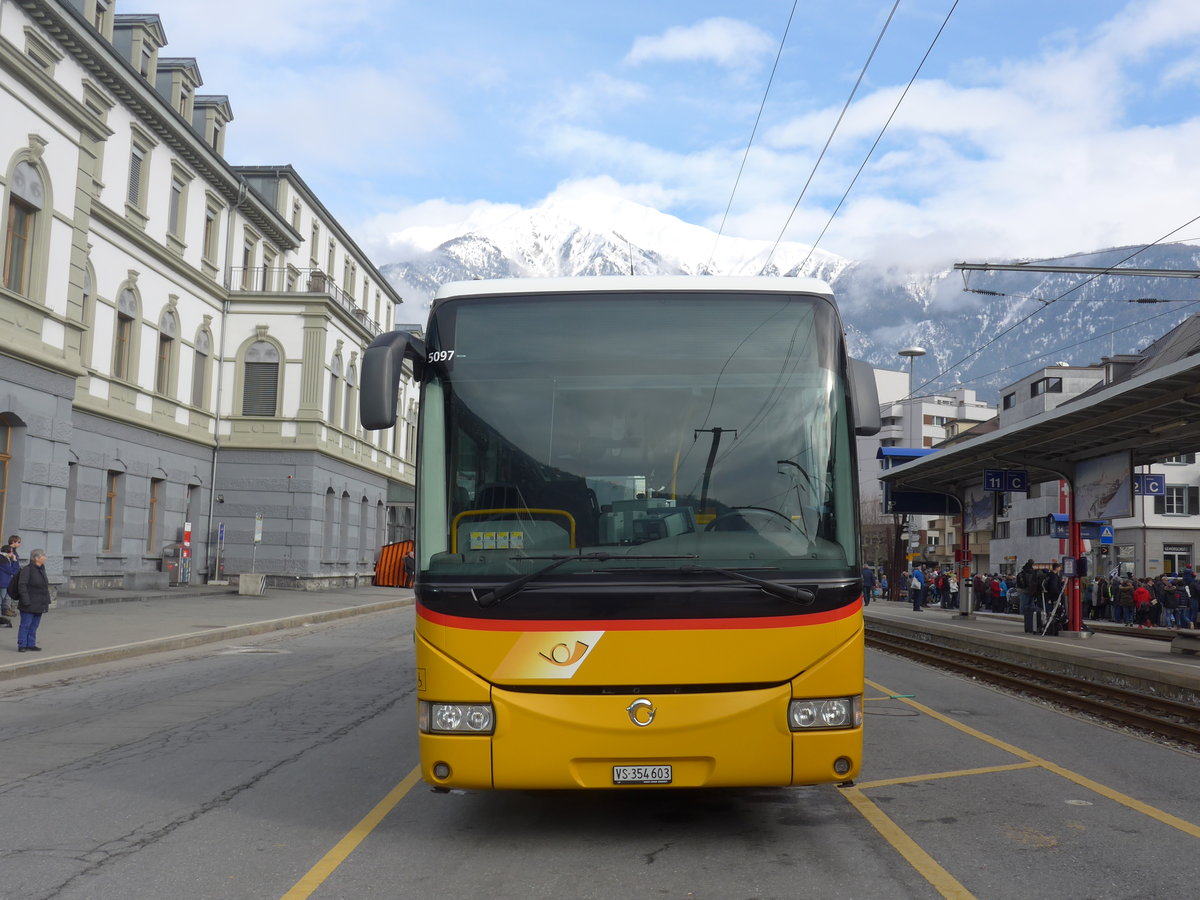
(854, 90)
(879, 137)
(753, 132)
(1089, 340)
(1110, 270)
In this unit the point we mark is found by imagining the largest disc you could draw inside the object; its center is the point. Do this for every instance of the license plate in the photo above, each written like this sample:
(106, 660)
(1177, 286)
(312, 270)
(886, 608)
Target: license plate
(642, 774)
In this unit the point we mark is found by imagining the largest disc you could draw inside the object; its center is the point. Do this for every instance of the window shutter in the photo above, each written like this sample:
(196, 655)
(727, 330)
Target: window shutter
(1193, 501)
(259, 388)
(135, 176)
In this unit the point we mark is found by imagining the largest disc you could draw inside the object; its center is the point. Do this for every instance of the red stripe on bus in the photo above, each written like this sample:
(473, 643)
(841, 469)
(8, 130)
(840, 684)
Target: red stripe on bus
(475, 624)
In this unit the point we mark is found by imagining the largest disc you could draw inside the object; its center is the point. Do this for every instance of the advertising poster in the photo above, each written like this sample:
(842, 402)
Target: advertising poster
(1104, 487)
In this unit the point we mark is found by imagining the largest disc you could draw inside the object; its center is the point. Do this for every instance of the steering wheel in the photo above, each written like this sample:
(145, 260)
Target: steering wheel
(737, 520)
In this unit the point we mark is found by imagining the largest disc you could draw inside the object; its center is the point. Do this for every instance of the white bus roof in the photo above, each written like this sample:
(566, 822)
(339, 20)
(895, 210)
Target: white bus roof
(634, 283)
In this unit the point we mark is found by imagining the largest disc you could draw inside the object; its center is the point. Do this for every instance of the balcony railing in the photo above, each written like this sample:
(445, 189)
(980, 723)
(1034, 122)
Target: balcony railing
(288, 280)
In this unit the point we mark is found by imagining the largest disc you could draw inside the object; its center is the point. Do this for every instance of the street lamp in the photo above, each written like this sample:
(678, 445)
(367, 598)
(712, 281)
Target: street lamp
(912, 353)
(899, 547)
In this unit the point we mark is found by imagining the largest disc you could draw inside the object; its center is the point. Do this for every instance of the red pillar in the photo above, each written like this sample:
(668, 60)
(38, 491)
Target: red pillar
(1074, 585)
(964, 568)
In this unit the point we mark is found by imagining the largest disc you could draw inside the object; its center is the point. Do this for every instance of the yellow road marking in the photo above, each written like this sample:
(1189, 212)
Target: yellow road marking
(343, 848)
(943, 882)
(1189, 828)
(909, 779)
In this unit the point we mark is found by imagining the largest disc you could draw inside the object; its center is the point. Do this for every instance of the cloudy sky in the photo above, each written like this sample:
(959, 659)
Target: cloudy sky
(1036, 127)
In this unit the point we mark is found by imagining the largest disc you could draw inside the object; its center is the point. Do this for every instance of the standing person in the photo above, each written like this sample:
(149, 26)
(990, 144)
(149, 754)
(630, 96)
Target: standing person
(1168, 604)
(1101, 599)
(1191, 596)
(1030, 594)
(1183, 606)
(952, 587)
(33, 599)
(868, 577)
(883, 586)
(1143, 601)
(916, 588)
(1125, 603)
(9, 567)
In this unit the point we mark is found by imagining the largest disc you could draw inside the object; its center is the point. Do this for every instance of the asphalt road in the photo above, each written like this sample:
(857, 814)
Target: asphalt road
(252, 769)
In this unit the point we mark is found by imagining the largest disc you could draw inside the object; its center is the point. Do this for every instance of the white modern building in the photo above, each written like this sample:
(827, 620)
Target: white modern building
(919, 423)
(182, 337)
(1160, 536)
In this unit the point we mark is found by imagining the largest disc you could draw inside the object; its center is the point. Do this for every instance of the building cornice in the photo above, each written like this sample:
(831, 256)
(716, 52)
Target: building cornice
(203, 286)
(50, 92)
(290, 173)
(102, 62)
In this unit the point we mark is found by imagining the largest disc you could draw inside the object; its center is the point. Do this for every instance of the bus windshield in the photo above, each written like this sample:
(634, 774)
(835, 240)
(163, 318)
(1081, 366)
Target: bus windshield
(707, 428)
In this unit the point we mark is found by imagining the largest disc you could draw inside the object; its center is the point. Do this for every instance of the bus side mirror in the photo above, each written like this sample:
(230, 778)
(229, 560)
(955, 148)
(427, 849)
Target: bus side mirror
(865, 398)
(382, 368)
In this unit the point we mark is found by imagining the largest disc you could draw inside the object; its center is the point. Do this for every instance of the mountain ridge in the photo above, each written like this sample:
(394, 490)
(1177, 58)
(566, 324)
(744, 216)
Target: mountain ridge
(1019, 323)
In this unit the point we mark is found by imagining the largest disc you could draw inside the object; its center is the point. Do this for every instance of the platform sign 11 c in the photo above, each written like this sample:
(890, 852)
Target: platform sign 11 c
(1016, 480)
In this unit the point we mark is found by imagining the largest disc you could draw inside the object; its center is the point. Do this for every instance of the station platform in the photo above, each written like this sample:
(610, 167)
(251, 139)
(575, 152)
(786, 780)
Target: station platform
(1150, 662)
(93, 627)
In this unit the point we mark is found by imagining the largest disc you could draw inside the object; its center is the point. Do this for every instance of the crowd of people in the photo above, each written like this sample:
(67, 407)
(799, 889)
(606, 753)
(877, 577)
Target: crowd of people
(930, 586)
(1164, 601)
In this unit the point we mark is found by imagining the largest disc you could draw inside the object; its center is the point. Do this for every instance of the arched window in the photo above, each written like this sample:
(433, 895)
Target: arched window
(329, 551)
(364, 522)
(260, 384)
(26, 201)
(348, 409)
(124, 350)
(6, 454)
(87, 314)
(344, 537)
(335, 394)
(201, 352)
(168, 331)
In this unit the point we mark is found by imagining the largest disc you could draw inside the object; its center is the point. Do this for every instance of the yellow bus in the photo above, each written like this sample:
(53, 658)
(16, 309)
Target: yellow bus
(637, 550)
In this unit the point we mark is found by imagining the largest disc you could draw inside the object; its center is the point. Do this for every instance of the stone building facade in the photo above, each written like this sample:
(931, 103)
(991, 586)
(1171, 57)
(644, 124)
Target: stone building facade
(181, 337)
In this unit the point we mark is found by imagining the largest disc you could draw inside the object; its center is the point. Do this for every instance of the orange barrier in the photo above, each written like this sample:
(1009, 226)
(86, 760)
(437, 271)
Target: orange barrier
(389, 568)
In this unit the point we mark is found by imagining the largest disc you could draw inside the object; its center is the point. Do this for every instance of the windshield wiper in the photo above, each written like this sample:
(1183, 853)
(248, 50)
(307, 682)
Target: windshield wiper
(490, 598)
(800, 595)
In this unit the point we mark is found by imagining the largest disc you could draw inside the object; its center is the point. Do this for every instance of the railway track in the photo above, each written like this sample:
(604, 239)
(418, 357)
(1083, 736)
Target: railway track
(1154, 715)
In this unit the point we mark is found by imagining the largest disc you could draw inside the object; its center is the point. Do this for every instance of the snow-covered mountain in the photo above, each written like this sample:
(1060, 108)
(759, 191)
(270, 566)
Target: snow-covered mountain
(1021, 322)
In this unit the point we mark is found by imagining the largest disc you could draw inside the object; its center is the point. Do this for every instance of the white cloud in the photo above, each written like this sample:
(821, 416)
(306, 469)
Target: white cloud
(337, 119)
(263, 26)
(600, 94)
(727, 42)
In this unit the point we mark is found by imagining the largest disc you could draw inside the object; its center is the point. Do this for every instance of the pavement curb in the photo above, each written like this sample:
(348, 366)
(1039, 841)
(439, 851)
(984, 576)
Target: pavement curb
(9, 671)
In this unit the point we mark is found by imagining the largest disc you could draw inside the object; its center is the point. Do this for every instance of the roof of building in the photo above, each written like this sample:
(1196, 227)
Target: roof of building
(1152, 410)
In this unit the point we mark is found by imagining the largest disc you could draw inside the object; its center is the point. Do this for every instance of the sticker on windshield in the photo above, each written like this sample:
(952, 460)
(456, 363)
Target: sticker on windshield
(497, 540)
(437, 356)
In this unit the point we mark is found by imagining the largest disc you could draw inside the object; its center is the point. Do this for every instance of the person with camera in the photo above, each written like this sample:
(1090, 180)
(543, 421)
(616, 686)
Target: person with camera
(10, 565)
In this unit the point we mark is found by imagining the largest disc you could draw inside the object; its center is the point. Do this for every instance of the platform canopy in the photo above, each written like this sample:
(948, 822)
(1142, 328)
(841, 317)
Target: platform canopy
(1154, 414)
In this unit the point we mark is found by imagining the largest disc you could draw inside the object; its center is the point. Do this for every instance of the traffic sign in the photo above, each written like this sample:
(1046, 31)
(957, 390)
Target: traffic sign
(999, 480)
(1016, 480)
(1150, 485)
(1106, 534)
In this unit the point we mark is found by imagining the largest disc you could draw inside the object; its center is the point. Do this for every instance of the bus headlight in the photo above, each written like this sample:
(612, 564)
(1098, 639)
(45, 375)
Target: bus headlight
(834, 712)
(455, 718)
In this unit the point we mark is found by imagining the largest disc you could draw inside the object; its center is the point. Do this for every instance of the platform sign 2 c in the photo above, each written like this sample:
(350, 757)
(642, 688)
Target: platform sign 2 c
(1006, 480)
